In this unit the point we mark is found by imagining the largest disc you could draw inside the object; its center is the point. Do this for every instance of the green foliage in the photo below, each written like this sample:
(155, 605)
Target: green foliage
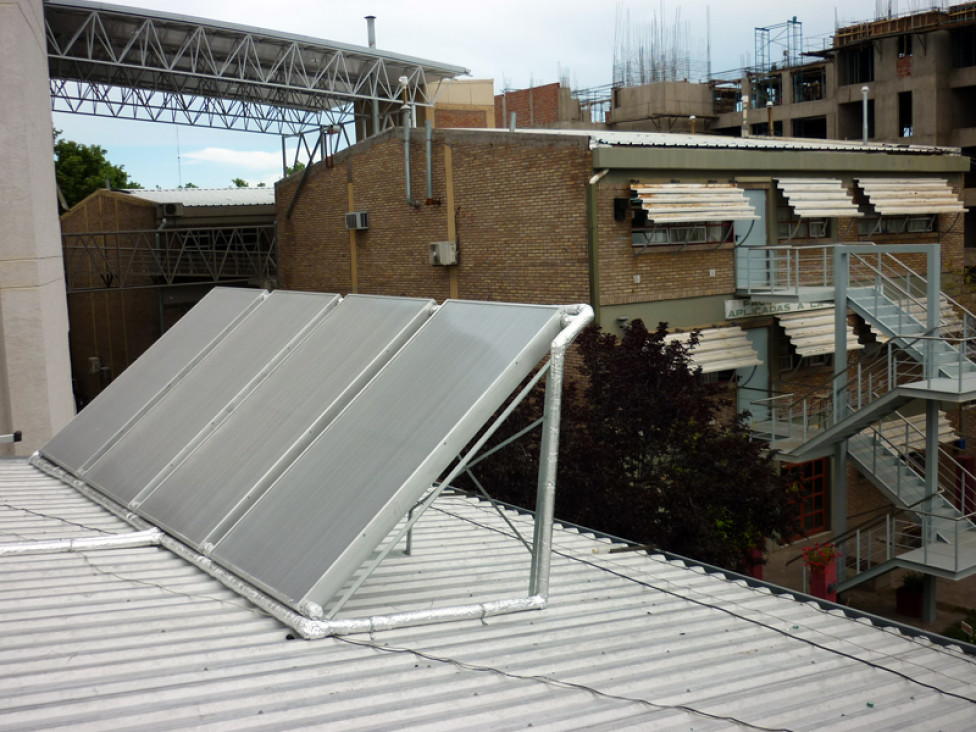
(82, 169)
(645, 455)
(298, 166)
(190, 185)
(239, 182)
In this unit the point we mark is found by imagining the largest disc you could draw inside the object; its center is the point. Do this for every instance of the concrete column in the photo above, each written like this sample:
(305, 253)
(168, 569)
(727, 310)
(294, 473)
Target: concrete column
(35, 371)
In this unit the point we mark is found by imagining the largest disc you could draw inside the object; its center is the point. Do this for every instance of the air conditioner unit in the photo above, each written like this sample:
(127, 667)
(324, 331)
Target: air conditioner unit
(172, 209)
(357, 220)
(818, 229)
(443, 253)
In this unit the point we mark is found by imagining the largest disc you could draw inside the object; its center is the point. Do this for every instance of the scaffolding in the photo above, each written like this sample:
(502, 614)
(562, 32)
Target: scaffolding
(779, 46)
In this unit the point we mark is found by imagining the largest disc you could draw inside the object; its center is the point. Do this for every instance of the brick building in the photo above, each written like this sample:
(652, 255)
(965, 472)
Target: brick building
(553, 216)
(136, 260)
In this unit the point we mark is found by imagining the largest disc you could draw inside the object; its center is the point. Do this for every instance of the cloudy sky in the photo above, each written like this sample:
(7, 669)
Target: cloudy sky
(514, 42)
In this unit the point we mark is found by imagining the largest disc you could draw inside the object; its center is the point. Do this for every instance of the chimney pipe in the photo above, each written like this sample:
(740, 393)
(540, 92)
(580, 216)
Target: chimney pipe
(371, 30)
(745, 115)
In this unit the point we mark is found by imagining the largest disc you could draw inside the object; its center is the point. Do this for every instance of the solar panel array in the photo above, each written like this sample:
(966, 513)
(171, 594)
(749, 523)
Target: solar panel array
(286, 434)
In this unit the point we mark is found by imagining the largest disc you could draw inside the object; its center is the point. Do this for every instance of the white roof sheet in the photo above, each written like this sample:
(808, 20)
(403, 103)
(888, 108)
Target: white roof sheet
(812, 331)
(720, 349)
(686, 202)
(818, 197)
(901, 196)
(264, 196)
(612, 138)
(137, 638)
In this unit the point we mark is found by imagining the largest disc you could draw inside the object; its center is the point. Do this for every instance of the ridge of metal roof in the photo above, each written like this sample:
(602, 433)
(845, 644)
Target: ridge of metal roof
(257, 196)
(139, 637)
(363, 51)
(614, 138)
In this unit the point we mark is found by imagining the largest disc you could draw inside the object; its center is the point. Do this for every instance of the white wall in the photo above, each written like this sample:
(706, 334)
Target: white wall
(35, 372)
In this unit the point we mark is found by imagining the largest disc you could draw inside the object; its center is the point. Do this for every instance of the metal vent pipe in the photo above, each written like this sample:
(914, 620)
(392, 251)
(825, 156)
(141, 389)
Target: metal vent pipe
(371, 30)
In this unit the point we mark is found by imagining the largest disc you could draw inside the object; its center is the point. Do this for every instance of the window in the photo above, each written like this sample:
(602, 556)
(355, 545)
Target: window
(809, 85)
(905, 114)
(963, 42)
(763, 128)
(849, 120)
(812, 127)
(812, 501)
(896, 225)
(666, 234)
(904, 45)
(857, 65)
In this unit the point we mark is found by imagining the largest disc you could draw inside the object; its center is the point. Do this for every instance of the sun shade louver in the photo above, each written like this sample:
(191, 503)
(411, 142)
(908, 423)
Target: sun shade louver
(906, 196)
(812, 198)
(719, 349)
(672, 203)
(812, 332)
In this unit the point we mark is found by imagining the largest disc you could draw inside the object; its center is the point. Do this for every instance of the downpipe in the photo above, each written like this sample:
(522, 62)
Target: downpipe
(406, 155)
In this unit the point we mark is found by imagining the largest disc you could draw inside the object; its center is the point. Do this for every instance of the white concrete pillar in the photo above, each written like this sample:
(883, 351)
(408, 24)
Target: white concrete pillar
(35, 371)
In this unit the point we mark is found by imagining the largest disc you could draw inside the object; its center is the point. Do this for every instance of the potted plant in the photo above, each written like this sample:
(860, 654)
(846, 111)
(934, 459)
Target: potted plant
(909, 598)
(821, 561)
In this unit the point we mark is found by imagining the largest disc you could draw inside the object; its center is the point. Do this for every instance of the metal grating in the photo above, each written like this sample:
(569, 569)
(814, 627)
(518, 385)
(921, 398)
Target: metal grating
(316, 524)
(668, 203)
(229, 470)
(812, 332)
(901, 196)
(147, 380)
(818, 197)
(198, 402)
(720, 349)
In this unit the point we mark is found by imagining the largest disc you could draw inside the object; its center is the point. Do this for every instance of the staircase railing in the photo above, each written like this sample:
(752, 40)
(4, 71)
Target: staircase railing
(955, 483)
(905, 530)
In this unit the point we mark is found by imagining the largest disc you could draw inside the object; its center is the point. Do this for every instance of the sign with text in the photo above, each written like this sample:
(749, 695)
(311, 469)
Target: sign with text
(748, 309)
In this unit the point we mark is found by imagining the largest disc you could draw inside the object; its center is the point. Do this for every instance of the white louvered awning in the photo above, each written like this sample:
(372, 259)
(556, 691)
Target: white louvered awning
(668, 203)
(901, 196)
(812, 198)
(812, 332)
(720, 349)
(895, 431)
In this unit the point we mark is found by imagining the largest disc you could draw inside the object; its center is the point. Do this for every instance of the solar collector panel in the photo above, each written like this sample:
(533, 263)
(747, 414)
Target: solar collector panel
(197, 400)
(232, 467)
(146, 380)
(316, 524)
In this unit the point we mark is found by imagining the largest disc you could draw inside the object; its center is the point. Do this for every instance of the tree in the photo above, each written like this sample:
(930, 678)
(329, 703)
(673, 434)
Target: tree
(189, 185)
(297, 167)
(80, 170)
(645, 455)
(240, 183)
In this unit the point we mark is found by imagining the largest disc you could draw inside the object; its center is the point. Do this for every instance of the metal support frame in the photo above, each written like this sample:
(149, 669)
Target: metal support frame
(126, 63)
(124, 260)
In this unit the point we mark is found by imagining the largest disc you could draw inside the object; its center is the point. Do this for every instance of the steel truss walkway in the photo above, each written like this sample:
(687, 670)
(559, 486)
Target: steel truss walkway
(128, 63)
(926, 357)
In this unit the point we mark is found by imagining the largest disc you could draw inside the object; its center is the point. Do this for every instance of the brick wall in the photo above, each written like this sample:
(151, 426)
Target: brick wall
(523, 242)
(446, 117)
(115, 327)
(533, 107)
(664, 273)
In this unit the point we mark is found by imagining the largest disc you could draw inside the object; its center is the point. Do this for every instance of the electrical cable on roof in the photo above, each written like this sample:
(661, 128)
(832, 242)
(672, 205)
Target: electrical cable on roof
(779, 631)
(556, 682)
(54, 518)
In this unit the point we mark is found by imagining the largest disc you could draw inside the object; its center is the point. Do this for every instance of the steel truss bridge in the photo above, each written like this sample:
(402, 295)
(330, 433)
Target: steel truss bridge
(128, 63)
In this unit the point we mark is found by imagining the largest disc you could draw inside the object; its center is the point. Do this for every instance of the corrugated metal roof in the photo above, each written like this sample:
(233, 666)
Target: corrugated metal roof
(264, 196)
(818, 197)
(138, 638)
(668, 203)
(610, 138)
(812, 331)
(900, 196)
(720, 349)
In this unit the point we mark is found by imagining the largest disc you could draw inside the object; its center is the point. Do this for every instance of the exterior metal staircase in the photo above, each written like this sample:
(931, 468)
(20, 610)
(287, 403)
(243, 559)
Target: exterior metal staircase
(923, 356)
